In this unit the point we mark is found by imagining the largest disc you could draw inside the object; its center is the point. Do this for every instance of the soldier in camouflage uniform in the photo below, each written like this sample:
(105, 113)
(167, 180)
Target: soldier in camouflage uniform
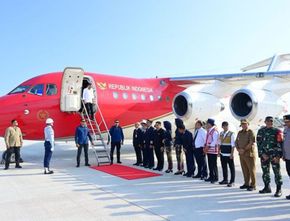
(269, 141)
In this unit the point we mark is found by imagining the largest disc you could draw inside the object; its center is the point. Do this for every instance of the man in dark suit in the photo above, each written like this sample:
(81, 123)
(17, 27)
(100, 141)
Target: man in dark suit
(187, 142)
(149, 144)
(117, 139)
(159, 145)
(137, 141)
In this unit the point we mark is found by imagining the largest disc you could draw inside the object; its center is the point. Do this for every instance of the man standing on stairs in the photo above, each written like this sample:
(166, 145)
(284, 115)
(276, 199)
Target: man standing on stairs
(117, 139)
(82, 137)
(269, 141)
(89, 98)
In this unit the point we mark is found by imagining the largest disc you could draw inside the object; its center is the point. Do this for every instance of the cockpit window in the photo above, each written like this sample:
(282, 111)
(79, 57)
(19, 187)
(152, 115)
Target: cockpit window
(37, 90)
(20, 89)
(51, 89)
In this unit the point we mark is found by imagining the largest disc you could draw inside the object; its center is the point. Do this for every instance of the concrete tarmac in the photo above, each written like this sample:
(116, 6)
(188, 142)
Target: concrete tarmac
(85, 194)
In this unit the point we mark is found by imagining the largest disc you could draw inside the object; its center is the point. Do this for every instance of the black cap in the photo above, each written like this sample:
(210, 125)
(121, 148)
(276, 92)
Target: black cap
(286, 117)
(210, 121)
(269, 118)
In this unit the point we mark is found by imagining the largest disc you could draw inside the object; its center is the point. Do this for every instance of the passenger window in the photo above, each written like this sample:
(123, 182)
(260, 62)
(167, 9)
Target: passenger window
(115, 95)
(51, 89)
(151, 97)
(134, 97)
(125, 96)
(143, 97)
(37, 90)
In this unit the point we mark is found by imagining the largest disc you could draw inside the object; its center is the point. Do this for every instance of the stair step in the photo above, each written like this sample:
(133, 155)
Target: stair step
(103, 157)
(104, 162)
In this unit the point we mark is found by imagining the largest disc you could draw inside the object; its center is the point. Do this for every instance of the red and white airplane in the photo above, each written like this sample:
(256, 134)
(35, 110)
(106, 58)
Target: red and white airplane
(251, 95)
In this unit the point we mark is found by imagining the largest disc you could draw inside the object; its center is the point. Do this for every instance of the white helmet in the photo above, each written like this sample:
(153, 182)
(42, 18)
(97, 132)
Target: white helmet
(49, 121)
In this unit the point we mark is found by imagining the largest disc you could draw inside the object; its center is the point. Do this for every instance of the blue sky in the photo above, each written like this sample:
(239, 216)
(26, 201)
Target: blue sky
(138, 38)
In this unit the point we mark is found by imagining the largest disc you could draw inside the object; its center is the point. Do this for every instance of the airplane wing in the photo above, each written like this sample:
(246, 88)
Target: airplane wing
(251, 95)
(230, 78)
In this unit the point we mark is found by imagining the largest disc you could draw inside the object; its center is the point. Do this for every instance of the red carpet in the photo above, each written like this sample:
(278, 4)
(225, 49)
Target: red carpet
(125, 172)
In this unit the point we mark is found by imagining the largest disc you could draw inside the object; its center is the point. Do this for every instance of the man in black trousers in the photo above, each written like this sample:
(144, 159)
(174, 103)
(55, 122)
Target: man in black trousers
(149, 144)
(187, 141)
(117, 139)
(137, 142)
(82, 137)
(159, 145)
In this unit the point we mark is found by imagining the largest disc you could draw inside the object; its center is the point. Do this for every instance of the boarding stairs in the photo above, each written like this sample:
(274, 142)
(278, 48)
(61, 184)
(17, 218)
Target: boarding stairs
(99, 145)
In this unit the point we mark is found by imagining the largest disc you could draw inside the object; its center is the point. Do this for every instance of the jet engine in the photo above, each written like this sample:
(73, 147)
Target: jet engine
(255, 104)
(191, 105)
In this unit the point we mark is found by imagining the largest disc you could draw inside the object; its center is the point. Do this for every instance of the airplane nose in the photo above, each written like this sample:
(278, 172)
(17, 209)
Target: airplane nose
(8, 111)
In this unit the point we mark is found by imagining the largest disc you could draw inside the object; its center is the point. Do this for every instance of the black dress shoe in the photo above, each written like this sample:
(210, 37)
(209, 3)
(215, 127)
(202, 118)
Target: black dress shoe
(185, 174)
(88, 165)
(213, 181)
(77, 165)
(203, 178)
(244, 187)
(188, 175)
(196, 176)
(135, 164)
(155, 168)
(6, 168)
(223, 182)
(208, 180)
(168, 171)
(48, 172)
(251, 188)
(288, 197)
(179, 173)
(119, 162)
(231, 184)
(18, 166)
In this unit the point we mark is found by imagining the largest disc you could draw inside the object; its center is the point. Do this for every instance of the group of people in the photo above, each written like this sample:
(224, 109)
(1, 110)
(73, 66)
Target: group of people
(201, 148)
(205, 144)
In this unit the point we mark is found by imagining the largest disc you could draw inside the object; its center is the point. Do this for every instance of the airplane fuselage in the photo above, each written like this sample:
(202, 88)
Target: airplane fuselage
(127, 99)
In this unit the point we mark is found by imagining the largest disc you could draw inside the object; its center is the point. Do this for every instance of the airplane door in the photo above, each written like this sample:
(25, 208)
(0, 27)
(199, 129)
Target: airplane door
(71, 89)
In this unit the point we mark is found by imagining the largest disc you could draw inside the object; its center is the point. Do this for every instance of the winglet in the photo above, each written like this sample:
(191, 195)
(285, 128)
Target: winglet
(276, 63)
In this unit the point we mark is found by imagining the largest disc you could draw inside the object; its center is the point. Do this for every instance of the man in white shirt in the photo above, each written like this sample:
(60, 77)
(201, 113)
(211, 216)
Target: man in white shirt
(88, 97)
(199, 138)
(226, 150)
(48, 145)
(211, 149)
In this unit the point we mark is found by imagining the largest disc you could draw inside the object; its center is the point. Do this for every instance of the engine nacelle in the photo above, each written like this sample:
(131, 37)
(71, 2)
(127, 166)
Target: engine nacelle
(255, 104)
(192, 105)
